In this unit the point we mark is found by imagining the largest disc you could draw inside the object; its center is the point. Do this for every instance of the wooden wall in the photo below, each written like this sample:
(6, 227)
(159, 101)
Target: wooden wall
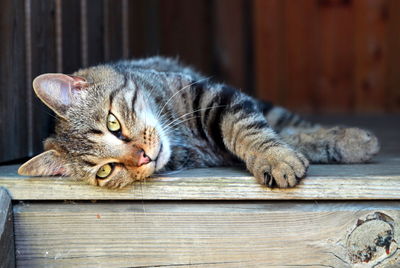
(310, 55)
(328, 55)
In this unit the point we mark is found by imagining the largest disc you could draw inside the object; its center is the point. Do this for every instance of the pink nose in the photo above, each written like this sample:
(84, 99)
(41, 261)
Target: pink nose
(143, 159)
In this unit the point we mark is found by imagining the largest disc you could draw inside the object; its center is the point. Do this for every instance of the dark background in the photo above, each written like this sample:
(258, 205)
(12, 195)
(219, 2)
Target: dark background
(313, 56)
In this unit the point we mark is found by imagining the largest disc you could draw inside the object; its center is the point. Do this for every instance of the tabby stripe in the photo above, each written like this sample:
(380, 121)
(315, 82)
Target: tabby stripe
(328, 154)
(116, 91)
(208, 110)
(94, 131)
(338, 155)
(198, 92)
(281, 120)
(89, 163)
(270, 143)
(225, 97)
(298, 121)
(257, 125)
(246, 106)
(135, 94)
(134, 98)
(265, 106)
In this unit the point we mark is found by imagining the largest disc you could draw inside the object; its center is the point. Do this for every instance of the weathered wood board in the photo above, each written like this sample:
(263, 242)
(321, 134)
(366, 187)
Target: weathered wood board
(203, 234)
(377, 180)
(7, 254)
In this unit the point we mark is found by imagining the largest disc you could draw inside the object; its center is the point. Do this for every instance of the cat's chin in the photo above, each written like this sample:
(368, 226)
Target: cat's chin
(163, 156)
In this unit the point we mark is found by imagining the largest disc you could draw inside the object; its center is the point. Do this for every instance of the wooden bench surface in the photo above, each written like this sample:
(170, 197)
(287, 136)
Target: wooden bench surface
(339, 216)
(378, 180)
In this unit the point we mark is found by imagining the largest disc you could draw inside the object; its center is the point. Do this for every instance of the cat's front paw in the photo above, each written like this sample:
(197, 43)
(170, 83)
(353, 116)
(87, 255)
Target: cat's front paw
(280, 167)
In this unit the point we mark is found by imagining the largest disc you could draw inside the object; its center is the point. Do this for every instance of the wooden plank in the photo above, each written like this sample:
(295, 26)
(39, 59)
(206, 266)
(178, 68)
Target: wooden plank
(300, 39)
(144, 32)
(371, 54)
(187, 34)
(230, 42)
(71, 36)
(113, 30)
(95, 32)
(268, 49)
(393, 43)
(7, 255)
(223, 234)
(377, 180)
(335, 83)
(13, 93)
(42, 60)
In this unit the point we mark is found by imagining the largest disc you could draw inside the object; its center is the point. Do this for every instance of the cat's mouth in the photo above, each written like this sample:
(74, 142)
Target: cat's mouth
(159, 155)
(163, 156)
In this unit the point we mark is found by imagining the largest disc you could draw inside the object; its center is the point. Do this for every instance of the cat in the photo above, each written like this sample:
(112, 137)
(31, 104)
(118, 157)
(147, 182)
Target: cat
(124, 121)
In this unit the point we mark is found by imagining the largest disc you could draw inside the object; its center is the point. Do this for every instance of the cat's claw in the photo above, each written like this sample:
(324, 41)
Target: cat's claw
(284, 169)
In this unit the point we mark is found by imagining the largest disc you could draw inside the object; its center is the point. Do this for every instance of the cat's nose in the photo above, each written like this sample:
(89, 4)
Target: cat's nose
(143, 159)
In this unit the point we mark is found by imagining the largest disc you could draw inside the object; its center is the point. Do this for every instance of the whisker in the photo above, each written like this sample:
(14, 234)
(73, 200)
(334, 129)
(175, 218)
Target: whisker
(170, 127)
(202, 109)
(180, 90)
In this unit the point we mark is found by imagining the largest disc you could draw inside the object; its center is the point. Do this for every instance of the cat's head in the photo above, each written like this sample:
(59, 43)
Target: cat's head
(108, 131)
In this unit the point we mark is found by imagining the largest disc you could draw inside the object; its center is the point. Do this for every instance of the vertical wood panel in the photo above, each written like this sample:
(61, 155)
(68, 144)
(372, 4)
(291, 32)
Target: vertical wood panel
(43, 60)
(371, 54)
(230, 54)
(113, 29)
(71, 36)
(300, 42)
(144, 28)
(393, 43)
(335, 57)
(185, 28)
(268, 47)
(13, 94)
(95, 31)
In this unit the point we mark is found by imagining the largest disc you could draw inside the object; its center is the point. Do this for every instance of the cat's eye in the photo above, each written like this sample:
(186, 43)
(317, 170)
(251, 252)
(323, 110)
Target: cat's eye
(113, 124)
(104, 171)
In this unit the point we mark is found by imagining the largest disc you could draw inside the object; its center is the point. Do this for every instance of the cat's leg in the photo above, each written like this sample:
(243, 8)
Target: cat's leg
(322, 144)
(234, 121)
(332, 145)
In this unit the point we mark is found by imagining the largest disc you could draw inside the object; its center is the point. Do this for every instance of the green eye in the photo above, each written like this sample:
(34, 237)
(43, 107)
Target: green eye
(113, 124)
(104, 171)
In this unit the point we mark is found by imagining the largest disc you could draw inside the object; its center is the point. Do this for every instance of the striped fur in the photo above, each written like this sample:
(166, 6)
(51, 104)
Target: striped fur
(180, 119)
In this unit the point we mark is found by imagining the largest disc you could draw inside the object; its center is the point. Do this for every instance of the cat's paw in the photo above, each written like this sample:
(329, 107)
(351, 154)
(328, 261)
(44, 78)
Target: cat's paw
(280, 167)
(355, 145)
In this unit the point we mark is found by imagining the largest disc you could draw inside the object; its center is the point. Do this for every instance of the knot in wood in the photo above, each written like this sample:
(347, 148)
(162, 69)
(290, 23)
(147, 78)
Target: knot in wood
(372, 239)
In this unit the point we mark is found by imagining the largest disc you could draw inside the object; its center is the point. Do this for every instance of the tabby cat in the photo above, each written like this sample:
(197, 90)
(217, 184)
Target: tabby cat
(125, 121)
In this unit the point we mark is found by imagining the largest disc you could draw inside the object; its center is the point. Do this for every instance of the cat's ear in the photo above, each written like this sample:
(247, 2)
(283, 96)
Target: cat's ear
(48, 163)
(59, 91)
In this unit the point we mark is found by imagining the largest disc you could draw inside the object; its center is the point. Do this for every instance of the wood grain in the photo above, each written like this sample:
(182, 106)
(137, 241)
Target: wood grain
(300, 43)
(7, 254)
(43, 60)
(334, 58)
(268, 49)
(71, 36)
(371, 54)
(393, 45)
(224, 234)
(95, 32)
(377, 180)
(230, 42)
(186, 34)
(13, 93)
(113, 30)
(144, 28)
